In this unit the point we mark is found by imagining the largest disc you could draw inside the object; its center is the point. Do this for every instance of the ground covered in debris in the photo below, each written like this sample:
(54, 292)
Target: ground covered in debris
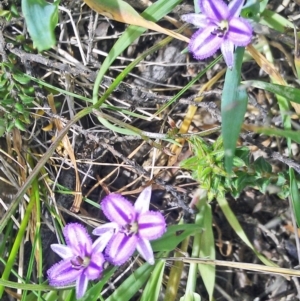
(97, 159)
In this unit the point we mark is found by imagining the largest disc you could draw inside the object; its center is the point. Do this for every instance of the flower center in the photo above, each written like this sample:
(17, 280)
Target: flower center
(131, 229)
(78, 262)
(221, 29)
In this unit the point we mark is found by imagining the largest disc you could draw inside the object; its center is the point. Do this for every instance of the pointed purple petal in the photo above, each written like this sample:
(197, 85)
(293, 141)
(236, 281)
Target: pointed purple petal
(215, 10)
(145, 249)
(199, 20)
(108, 227)
(227, 49)
(152, 225)
(121, 247)
(142, 203)
(240, 32)
(117, 209)
(203, 44)
(78, 239)
(63, 251)
(95, 267)
(62, 273)
(81, 286)
(100, 243)
(235, 8)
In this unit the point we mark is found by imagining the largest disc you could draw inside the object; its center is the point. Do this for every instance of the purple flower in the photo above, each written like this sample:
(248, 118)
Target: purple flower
(131, 227)
(220, 27)
(82, 260)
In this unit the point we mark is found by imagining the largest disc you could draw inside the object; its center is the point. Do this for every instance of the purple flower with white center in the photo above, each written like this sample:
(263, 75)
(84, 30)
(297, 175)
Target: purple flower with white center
(220, 27)
(131, 227)
(82, 260)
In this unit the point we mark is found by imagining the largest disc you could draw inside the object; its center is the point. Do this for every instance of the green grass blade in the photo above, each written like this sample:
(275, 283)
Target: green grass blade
(174, 236)
(203, 246)
(233, 108)
(295, 196)
(15, 249)
(288, 134)
(29, 287)
(207, 249)
(153, 287)
(290, 93)
(275, 21)
(132, 284)
(234, 223)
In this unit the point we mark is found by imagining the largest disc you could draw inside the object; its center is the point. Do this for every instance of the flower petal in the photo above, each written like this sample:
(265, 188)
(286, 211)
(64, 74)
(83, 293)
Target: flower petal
(142, 203)
(81, 286)
(78, 239)
(62, 250)
(117, 209)
(108, 227)
(215, 10)
(199, 20)
(203, 44)
(95, 267)
(100, 243)
(145, 249)
(235, 8)
(227, 49)
(240, 32)
(62, 273)
(152, 225)
(121, 247)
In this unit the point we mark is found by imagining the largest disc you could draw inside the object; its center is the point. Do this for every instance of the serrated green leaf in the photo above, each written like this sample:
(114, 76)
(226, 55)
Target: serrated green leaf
(262, 184)
(4, 13)
(262, 166)
(233, 108)
(7, 101)
(3, 82)
(242, 181)
(205, 172)
(19, 107)
(14, 11)
(238, 162)
(41, 19)
(26, 99)
(281, 179)
(10, 126)
(244, 154)
(175, 234)
(19, 77)
(20, 125)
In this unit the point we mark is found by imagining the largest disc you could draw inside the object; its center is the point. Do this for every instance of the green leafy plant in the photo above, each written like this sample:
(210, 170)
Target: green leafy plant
(16, 97)
(207, 166)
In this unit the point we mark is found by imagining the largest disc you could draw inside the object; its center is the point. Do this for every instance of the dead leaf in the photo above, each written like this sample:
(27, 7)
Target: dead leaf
(121, 11)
